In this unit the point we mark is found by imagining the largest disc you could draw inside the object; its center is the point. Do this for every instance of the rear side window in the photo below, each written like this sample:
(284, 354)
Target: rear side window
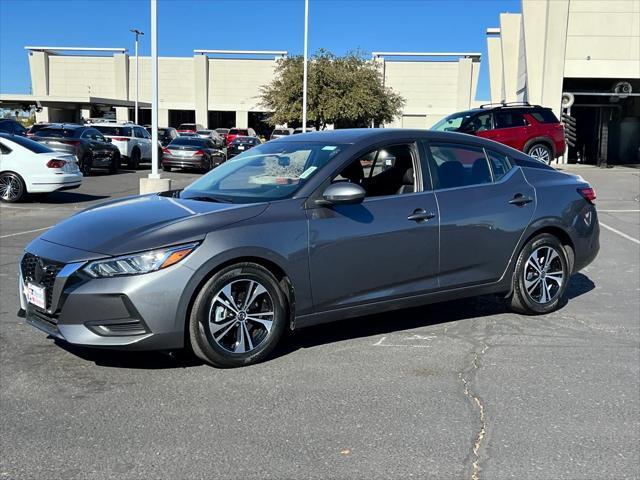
(544, 116)
(509, 119)
(4, 149)
(500, 164)
(458, 165)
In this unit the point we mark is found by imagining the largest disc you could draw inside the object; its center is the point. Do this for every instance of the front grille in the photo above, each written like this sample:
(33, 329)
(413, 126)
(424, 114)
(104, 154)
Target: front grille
(42, 272)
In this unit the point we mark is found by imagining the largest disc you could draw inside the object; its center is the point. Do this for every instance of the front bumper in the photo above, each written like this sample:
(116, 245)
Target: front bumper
(138, 312)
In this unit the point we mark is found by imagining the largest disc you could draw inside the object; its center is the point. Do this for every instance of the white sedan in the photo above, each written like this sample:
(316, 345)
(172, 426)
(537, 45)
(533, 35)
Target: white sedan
(31, 167)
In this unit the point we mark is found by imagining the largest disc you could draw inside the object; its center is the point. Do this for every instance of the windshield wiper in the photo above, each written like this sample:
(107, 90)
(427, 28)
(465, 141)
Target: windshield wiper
(202, 198)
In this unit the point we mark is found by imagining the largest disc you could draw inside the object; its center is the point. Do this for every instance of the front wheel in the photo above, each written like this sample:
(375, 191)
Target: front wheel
(541, 276)
(134, 159)
(166, 168)
(541, 152)
(238, 316)
(85, 165)
(12, 187)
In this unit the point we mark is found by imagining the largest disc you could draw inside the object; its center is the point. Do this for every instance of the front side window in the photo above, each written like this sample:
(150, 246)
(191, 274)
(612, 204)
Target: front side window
(385, 171)
(458, 165)
(270, 171)
(479, 123)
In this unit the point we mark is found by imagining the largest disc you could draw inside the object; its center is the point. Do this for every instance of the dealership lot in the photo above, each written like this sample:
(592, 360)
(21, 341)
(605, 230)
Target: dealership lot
(443, 391)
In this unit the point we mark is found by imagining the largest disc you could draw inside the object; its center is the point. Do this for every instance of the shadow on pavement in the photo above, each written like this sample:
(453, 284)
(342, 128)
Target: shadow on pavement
(64, 198)
(368, 326)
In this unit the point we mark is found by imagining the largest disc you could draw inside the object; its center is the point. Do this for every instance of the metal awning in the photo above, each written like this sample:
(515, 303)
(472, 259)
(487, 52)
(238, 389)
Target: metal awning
(11, 100)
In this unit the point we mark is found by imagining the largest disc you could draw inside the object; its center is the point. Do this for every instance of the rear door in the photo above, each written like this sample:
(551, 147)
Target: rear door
(485, 205)
(376, 250)
(143, 139)
(511, 128)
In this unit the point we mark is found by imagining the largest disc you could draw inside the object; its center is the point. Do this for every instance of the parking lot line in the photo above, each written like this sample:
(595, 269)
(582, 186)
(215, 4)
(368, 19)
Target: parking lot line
(618, 211)
(624, 235)
(25, 232)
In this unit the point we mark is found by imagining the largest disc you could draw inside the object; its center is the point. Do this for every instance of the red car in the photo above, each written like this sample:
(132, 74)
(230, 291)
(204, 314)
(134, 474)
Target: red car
(242, 132)
(532, 129)
(189, 128)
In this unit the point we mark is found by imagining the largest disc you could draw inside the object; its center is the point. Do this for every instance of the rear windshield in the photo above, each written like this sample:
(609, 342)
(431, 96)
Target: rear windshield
(237, 131)
(222, 130)
(58, 132)
(280, 132)
(31, 145)
(545, 116)
(245, 140)
(114, 131)
(187, 126)
(190, 141)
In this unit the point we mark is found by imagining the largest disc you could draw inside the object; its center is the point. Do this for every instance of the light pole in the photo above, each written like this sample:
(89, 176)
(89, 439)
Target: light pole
(304, 78)
(137, 33)
(154, 90)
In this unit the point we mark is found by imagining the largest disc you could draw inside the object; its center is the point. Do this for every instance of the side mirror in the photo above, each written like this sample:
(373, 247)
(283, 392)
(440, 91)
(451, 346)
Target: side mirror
(342, 193)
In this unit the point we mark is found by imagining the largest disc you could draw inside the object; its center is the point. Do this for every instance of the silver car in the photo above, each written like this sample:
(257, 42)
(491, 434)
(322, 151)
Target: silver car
(309, 229)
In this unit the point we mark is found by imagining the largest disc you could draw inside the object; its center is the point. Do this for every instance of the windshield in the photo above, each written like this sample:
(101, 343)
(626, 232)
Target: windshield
(114, 131)
(451, 123)
(270, 171)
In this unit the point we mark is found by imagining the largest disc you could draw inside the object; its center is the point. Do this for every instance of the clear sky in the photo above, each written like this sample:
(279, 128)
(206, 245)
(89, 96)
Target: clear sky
(185, 25)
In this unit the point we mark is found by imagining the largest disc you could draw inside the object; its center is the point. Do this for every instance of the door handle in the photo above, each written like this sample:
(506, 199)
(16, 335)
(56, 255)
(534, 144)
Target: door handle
(520, 200)
(420, 215)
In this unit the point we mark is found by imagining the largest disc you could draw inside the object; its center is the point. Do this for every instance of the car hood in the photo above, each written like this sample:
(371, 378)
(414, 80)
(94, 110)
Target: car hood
(145, 222)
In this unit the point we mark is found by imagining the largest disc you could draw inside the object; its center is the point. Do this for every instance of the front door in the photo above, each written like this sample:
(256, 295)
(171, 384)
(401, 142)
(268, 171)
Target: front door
(385, 247)
(485, 206)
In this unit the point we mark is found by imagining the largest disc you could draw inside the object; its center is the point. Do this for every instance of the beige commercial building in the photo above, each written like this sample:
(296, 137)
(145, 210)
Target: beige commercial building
(581, 58)
(221, 88)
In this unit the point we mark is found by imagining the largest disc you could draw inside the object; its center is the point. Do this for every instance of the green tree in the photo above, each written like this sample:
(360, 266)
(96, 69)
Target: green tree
(346, 91)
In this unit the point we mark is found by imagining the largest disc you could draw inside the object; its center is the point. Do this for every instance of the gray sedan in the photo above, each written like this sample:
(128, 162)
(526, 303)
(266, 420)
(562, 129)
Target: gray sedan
(308, 229)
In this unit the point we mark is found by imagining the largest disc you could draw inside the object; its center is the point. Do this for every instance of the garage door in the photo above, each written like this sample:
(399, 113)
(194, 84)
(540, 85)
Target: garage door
(414, 121)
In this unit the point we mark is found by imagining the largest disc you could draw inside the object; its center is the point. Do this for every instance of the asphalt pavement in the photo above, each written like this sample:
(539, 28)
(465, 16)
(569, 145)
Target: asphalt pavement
(457, 390)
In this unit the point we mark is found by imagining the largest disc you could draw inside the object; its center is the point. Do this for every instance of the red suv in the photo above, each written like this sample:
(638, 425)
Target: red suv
(532, 129)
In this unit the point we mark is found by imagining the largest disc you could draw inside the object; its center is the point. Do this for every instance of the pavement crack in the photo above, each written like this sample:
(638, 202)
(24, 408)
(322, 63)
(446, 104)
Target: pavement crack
(466, 378)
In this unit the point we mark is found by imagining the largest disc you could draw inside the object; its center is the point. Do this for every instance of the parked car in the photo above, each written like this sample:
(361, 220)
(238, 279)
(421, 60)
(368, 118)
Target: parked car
(192, 152)
(297, 232)
(133, 141)
(189, 128)
(8, 125)
(31, 167)
(243, 132)
(223, 132)
(188, 134)
(213, 136)
(36, 127)
(280, 132)
(91, 148)
(165, 135)
(532, 129)
(241, 144)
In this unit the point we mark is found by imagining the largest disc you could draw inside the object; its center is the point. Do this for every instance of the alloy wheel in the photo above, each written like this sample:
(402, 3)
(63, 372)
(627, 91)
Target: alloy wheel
(10, 188)
(543, 275)
(540, 153)
(241, 316)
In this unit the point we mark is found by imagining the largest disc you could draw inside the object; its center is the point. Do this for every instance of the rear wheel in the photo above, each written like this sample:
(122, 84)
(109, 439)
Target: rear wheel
(541, 276)
(238, 316)
(85, 164)
(115, 163)
(166, 168)
(541, 152)
(134, 159)
(12, 187)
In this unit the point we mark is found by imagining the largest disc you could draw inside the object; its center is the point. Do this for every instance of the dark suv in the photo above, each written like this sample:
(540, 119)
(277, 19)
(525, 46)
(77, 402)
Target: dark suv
(90, 147)
(532, 129)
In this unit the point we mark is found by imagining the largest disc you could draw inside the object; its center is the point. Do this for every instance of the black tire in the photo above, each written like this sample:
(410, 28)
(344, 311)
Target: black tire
(540, 151)
(12, 187)
(115, 163)
(218, 352)
(166, 168)
(134, 159)
(533, 273)
(85, 164)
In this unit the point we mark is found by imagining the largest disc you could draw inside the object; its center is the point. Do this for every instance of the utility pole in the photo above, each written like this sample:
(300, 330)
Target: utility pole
(137, 33)
(304, 79)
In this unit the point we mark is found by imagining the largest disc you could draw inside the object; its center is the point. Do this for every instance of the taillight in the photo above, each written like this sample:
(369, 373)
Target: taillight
(120, 139)
(55, 163)
(588, 193)
(166, 151)
(198, 153)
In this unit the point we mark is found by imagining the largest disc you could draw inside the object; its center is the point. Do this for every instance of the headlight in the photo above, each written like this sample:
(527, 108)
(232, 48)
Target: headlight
(139, 263)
